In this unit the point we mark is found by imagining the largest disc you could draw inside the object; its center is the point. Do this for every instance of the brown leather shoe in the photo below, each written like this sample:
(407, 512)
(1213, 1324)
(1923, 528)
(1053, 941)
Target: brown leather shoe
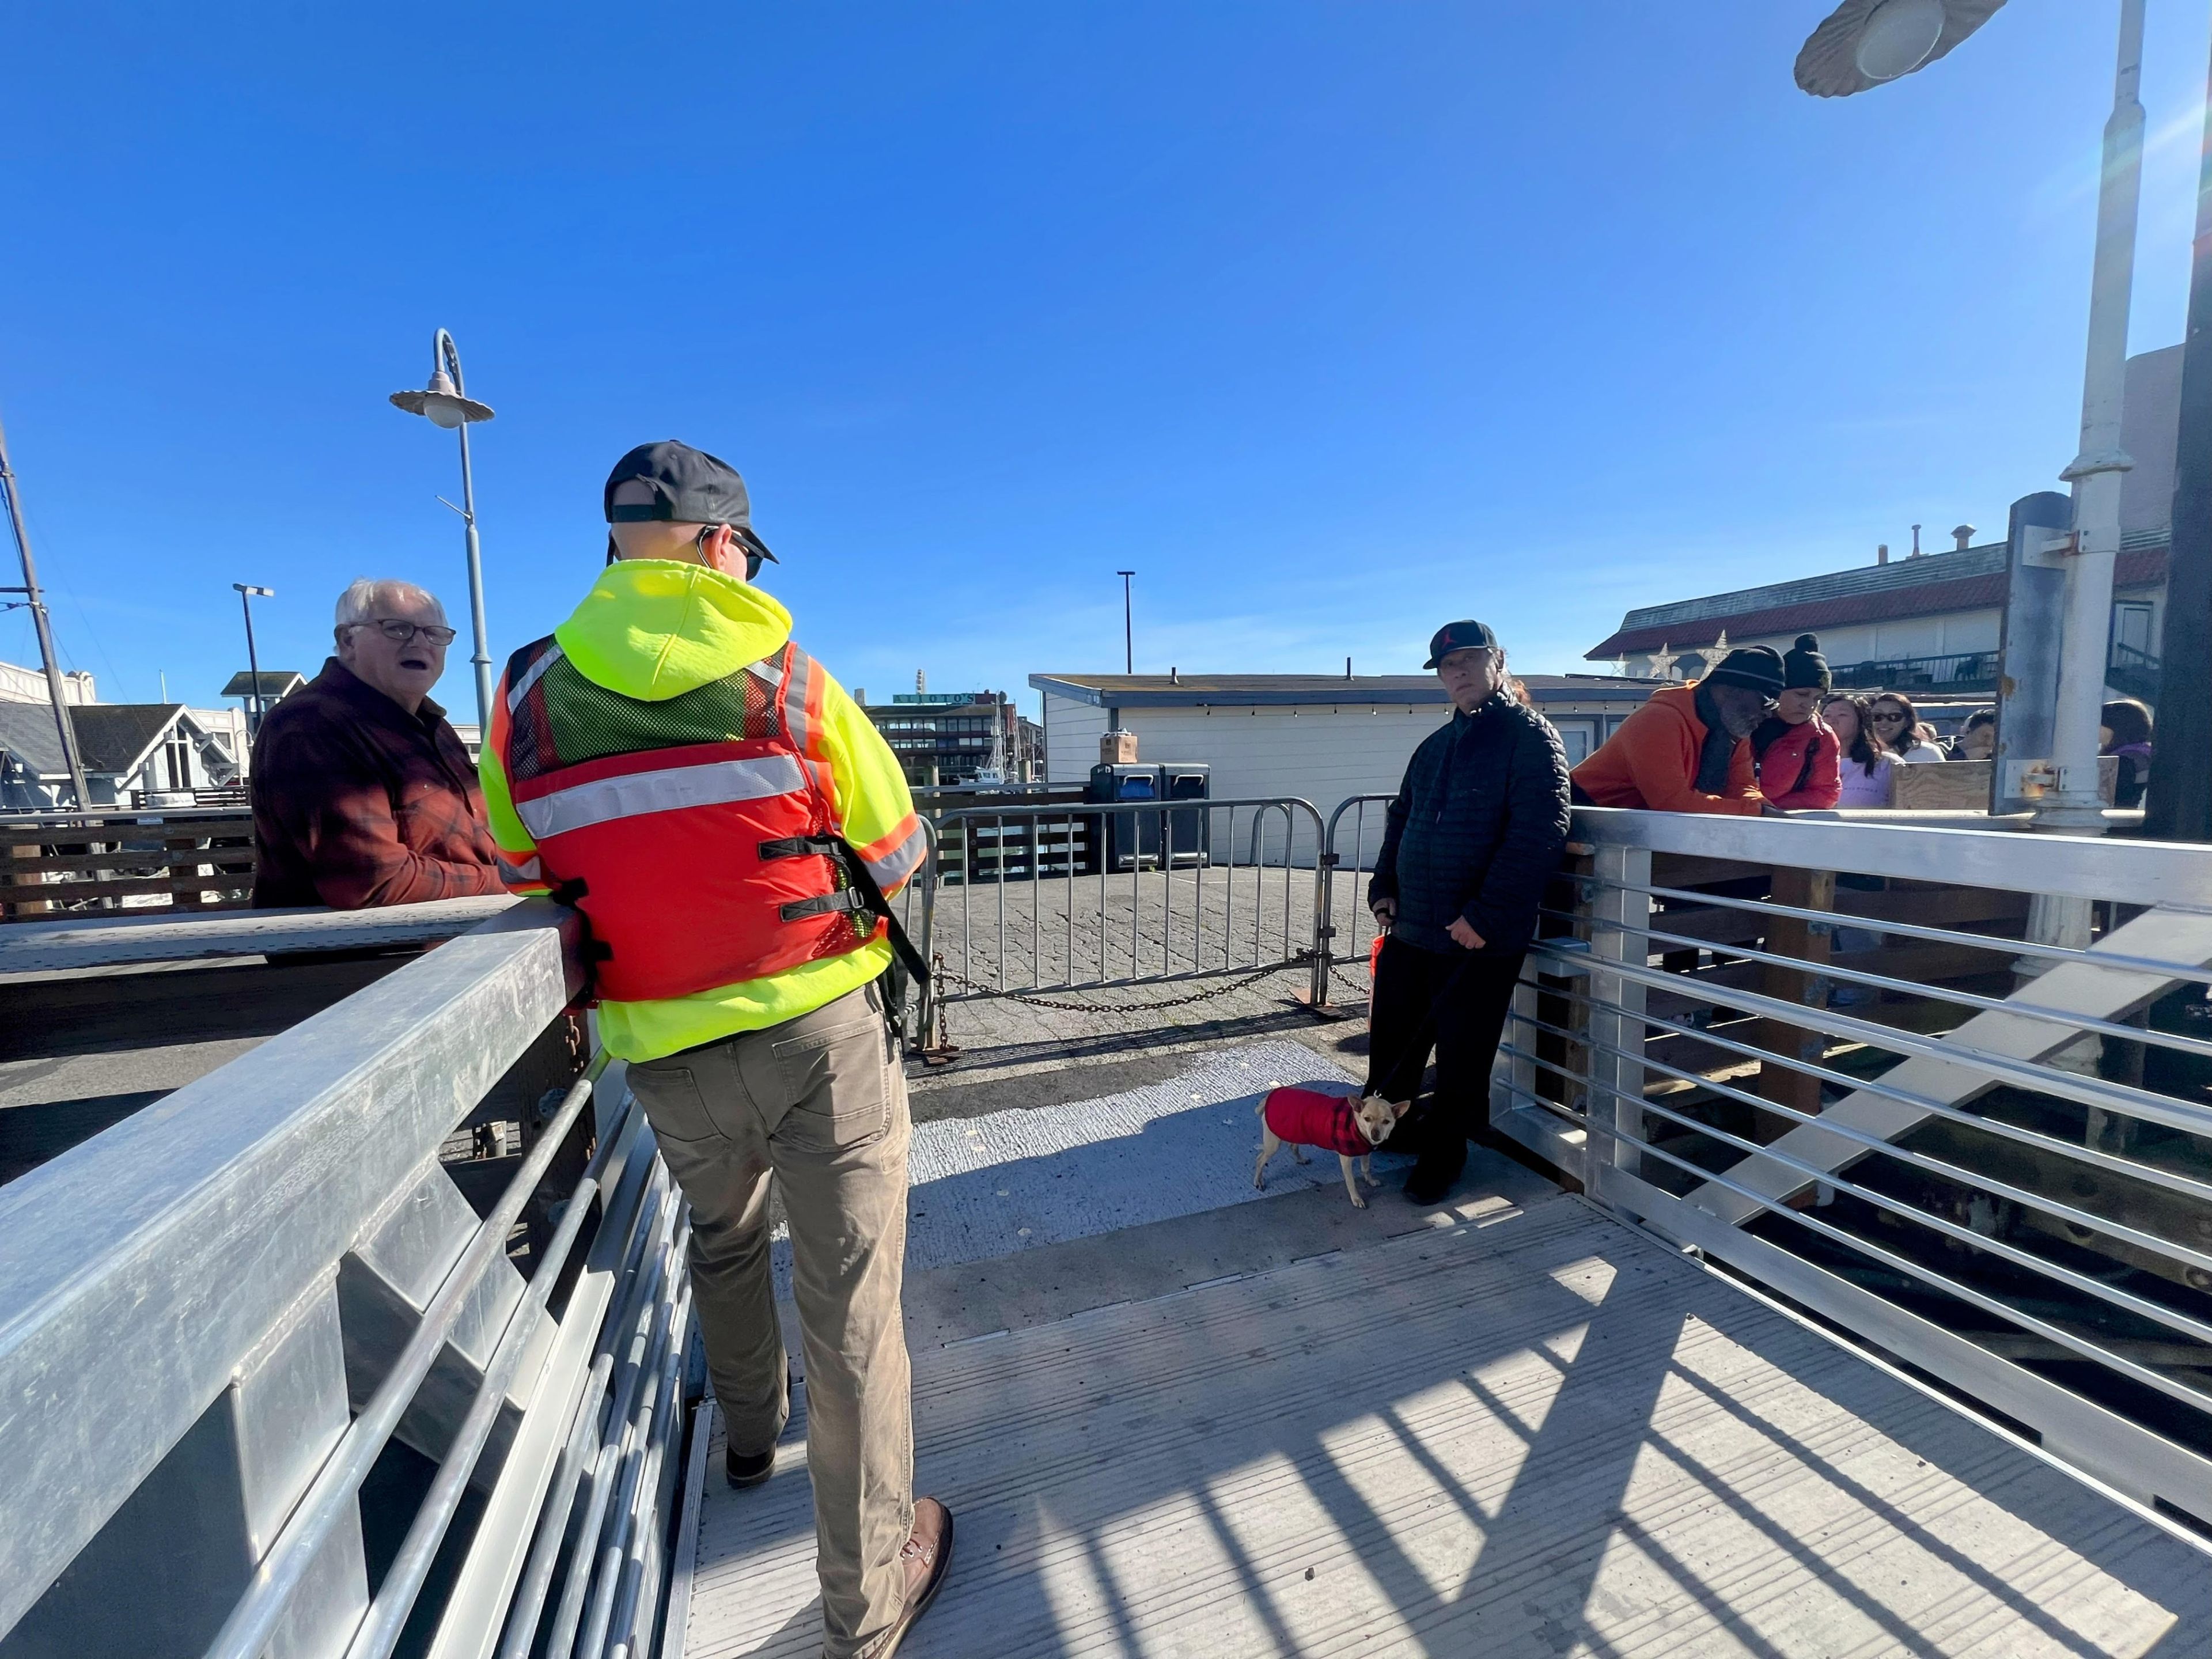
(926, 1555)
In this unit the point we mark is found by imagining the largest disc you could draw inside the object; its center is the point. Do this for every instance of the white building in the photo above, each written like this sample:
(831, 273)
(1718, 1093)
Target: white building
(1315, 737)
(22, 684)
(134, 754)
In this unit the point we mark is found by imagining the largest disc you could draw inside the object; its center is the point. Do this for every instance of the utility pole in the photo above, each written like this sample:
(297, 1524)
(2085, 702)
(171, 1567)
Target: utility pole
(37, 604)
(1128, 635)
(2179, 804)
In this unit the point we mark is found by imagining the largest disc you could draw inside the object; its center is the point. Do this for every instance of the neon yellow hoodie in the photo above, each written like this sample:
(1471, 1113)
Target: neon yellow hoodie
(652, 629)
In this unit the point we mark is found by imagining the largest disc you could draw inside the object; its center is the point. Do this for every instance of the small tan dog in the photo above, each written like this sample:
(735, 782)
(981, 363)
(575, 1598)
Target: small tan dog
(1351, 1127)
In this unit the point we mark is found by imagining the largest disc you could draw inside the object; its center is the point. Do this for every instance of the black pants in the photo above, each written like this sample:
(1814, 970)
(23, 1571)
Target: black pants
(1465, 1033)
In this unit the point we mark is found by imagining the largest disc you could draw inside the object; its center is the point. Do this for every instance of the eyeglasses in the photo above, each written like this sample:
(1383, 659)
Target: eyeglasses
(1889, 714)
(399, 632)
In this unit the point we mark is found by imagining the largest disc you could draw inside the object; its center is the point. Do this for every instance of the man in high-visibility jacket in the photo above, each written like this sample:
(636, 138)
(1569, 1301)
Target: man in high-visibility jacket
(670, 763)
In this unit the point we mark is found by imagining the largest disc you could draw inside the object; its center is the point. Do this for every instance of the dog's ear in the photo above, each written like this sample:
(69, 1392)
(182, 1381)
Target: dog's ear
(1401, 1107)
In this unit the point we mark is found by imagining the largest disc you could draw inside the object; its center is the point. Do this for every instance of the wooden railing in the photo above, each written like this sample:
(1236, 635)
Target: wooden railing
(190, 859)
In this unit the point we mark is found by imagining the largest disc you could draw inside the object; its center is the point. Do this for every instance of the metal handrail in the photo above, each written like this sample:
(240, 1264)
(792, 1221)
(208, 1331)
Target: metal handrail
(2089, 1220)
(2176, 1041)
(2173, 875)
(2149, 1174)
(159, 1254)
(2200, 973)
(1579, 1051)
(326, 1502)
(2089, 1091)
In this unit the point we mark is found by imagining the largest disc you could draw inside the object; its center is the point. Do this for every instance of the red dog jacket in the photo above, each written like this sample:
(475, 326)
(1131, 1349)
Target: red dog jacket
(1307, 1118)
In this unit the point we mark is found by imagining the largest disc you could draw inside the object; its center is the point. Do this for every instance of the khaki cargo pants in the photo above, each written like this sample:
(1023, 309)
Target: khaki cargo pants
(821, 1101)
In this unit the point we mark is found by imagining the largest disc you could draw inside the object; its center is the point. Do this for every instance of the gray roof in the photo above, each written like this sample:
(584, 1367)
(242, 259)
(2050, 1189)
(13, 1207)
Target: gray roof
(28, 735)
(111, 737)
(1304, 691)
(275, 682)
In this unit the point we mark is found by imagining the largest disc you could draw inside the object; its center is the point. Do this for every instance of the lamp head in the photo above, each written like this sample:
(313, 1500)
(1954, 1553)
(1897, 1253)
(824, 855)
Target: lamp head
(441, 404)
(1865, 43)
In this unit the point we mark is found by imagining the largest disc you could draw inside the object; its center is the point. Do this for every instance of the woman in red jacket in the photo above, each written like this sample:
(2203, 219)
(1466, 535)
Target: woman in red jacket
(1796, 754)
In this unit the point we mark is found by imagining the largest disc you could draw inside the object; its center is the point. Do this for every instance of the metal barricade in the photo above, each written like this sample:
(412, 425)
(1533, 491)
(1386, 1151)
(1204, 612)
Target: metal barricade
(224, 1319)
(1354, 860)
(1063, 897)
(1895, 1103)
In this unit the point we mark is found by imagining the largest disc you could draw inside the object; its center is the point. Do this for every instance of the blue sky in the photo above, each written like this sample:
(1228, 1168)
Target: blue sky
(1334, 321)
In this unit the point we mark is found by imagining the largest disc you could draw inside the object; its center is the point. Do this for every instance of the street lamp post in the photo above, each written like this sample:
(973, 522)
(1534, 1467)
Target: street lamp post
(445, 402)
(246, 595)
(2076, 806)
(1864, 43)
(1128, 633)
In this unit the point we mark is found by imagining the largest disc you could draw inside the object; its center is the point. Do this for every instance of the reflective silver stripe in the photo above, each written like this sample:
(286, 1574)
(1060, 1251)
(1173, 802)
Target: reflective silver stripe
(714, 783)
(520, 688)
(795, 687)
(896, 865)
(527, 870)
(768, 669)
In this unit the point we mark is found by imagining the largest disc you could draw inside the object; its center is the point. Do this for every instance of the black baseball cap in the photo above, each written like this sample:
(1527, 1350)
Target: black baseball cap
(1459, 636)
(689, 486)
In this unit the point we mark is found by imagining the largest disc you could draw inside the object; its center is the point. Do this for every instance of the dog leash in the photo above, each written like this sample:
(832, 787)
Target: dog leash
(1424, 1034)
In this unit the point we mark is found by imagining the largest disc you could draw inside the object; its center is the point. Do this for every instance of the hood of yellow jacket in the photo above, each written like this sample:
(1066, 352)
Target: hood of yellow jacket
(654, 629)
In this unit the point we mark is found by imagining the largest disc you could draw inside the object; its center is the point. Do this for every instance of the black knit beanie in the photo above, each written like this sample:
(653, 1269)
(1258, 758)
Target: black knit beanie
(1759, 667)
(1803, 664)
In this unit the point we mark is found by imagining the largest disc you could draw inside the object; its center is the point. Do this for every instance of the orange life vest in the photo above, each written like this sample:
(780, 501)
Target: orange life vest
(697, 835)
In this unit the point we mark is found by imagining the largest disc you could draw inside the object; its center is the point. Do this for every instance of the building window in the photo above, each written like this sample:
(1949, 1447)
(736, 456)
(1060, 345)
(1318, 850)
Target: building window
(177, 762)
(2131, 627)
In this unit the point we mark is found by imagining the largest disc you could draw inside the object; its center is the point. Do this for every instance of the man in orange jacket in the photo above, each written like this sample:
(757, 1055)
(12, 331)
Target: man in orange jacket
(1687, 750)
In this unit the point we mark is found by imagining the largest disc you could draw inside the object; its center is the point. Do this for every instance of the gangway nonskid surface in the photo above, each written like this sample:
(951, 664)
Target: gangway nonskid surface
(1539, 1431)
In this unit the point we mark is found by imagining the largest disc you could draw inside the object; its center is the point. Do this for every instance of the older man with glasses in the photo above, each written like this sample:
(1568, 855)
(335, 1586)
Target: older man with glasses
(363, 794)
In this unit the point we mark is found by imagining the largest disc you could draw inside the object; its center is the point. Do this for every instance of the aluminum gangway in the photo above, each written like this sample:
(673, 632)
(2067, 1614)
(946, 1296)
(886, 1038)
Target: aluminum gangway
(1869, 1244)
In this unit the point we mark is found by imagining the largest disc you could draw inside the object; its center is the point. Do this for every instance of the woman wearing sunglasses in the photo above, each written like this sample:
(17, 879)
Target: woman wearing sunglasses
(1896, 727)
(1866, 764)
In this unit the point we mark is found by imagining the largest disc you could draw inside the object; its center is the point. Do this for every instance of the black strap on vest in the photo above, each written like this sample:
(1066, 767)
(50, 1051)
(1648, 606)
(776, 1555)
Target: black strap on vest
(823, 904)
(862, 893)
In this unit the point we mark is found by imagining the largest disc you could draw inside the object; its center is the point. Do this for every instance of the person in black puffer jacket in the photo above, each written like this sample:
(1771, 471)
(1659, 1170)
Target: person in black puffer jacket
(1477, 829)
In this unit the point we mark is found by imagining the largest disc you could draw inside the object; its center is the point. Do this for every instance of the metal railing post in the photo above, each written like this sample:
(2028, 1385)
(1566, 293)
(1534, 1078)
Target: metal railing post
(1324, 916)
(1616, 1022)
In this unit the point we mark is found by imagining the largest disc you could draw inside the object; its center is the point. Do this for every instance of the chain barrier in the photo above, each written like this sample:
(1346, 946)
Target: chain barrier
(1303, 961)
